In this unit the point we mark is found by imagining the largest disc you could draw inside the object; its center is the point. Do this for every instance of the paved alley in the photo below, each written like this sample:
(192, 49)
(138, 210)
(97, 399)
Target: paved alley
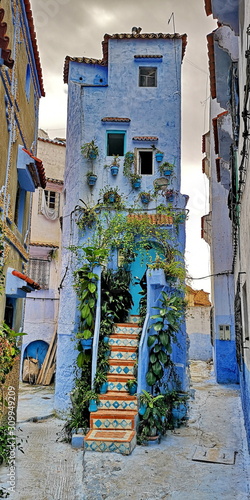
(52, 470)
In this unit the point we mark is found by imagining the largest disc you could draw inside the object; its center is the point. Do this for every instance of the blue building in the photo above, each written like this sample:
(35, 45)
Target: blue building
(226, 163)
(127, 102)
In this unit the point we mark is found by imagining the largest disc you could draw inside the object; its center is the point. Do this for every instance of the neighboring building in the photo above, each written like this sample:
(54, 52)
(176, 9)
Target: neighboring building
(129, 101)
(198, 324)
(21, 172)
(41, 309)
(229, 55)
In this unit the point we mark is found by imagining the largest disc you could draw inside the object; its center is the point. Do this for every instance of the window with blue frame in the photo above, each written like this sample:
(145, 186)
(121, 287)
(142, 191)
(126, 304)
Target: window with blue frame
(20, 207)
(27, 82)
(115, 143)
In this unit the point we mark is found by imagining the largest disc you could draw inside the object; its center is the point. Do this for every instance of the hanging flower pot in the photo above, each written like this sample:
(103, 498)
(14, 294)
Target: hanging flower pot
(167, 172)
(111, 197)
(159, 156)
(114, 169)
(142, 410)
(145, 198)
(92, 155)
(170, 196)
(91, 178)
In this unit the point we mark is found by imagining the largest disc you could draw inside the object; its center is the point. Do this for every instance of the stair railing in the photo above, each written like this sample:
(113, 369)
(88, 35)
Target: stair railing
(97, 270)
(156, 283)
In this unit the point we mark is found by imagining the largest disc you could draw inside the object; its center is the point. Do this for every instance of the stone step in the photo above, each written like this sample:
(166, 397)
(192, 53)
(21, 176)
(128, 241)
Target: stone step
(117, 401)
(126, 329)
(123, 340)
(118, 383)
(124, 353)
(133, 318)
(121, 367)
(110, 441)
(108, 419)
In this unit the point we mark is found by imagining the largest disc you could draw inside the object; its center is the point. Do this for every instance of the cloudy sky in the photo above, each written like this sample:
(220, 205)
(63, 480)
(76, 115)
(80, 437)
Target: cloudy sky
(76, 28)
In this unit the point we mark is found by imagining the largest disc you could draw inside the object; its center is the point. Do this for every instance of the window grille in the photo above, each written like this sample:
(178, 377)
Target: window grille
(39, 270)
(147, 77)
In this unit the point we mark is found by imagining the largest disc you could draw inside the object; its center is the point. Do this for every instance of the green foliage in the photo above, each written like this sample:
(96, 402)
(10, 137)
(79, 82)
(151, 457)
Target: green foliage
(105, 194)
(116, 298)
(127, 168)
(152, 422)
(1, 258)
(90, 150)
(115, 161)
(6, 440)
(166, 324)
(8, 350)
(165, 166)
(131, 383)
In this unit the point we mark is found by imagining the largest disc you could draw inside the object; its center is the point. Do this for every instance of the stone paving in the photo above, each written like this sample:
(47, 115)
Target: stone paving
(52, 470)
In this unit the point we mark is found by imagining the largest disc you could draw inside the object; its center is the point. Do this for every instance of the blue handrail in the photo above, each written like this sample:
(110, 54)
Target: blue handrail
(97, 270)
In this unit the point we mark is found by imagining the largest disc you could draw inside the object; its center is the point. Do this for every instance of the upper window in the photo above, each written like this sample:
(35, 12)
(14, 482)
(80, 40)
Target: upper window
(49, 203)
(115, 143)
(50, 197)
(147, 77)
(145, 161)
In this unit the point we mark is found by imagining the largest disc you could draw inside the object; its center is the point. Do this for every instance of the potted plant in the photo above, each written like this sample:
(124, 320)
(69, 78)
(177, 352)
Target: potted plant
(159, 155)
(166, 168)
(111, 195)
(169, 195)
(91, 397)
(101, 383)
(131, 386)
(135, 180)
(114, 166)
(91, 178)
(90, 150)
(145, 197)
(152, 417)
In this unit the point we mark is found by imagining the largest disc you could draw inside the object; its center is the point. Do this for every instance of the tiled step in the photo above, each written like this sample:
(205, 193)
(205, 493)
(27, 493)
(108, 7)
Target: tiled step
(123, 340)
(117, 401)
(126, 329)
(110, 441)
(124, 353)
(118, 383)
(133, 318)
(121, 367)
(106, 419)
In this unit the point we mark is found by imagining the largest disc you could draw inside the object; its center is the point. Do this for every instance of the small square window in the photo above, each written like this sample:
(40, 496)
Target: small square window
(145, 162)
(115, 143)
(147, 77)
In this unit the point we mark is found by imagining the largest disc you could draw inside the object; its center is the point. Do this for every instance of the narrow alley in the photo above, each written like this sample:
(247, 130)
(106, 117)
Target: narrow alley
(205, 460)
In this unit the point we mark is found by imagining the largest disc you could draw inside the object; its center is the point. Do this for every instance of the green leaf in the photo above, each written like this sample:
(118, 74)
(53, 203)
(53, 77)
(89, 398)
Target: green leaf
(92, 287)
(164, 339)
(153, 358)
(156, 316)
(91, 276)
(151, 378)
(89, 319)
(158, 326)
(157, 369)
(91, 303)
(80, 359)
(157, 348)
(151, 340)
(85, 311)
(163, 357)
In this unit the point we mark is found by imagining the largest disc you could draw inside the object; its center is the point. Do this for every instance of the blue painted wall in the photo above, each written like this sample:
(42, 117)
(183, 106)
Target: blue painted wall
(96, 92)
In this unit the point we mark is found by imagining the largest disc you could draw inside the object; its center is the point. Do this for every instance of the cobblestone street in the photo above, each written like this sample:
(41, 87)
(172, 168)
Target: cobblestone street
(52, 470)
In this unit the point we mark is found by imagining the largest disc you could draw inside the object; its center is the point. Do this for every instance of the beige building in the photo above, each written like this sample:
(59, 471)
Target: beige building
(198, 324)
(41, 310)
(21, 171)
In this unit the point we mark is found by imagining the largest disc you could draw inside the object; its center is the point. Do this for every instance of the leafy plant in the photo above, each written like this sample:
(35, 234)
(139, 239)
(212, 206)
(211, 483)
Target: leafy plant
(131, 383)
(86, 216)
(173, 269)
(107, 191)
(166, 325)
(6, 440)
(8, 350)
(116, 297)
(152, 422)
(165, 166)
(115, 161)
(90, 150)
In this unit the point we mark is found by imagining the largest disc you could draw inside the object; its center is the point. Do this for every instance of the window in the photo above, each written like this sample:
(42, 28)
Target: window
(147, 77)
(115, 143)
(27, 82)
(39, 271)
(50, 197)
(224, 332)
(145, 161)
(19, 208)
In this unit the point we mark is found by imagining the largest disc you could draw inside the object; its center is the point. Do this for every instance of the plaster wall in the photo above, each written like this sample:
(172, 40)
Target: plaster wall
(96, 92)
(198, 330)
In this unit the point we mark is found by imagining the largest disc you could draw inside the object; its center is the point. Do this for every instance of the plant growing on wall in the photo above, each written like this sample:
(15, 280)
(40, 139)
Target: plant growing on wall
(86, 216)
(8, 350)
(166, 324)
(133, 176)
(90, 150)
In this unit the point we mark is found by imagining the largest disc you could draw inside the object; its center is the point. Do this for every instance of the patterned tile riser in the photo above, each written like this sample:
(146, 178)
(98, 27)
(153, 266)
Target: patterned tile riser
(131, 356)
(123, 342)
(117, 386)
(133, 319)
(106, 423)
(123, 448)
(121, 370)
(127, 330)
(117, 405)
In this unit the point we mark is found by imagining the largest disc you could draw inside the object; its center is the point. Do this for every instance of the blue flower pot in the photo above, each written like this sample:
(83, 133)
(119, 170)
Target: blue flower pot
(114, 169)
(86, 343)
(159, 157)
(170, 198)
(104, 388)
(111, 198)
(92, 405)
(130, 155)
(136, 184)
(142, 410)
(92, 155)
(167, 173)
(132, 390)
(145, 199)
(178, 413)
(106, 340)
(92, 180)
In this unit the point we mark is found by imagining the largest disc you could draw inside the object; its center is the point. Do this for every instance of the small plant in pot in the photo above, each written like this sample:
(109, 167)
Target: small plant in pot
(166, 168)
(91, 178)
(159, 155)
(152, 417)
(90, 150)
(111, 195)
(135, 180)
(131, 386)
(101, 383)
(145, 197)
(114, 166)
(92, 398)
